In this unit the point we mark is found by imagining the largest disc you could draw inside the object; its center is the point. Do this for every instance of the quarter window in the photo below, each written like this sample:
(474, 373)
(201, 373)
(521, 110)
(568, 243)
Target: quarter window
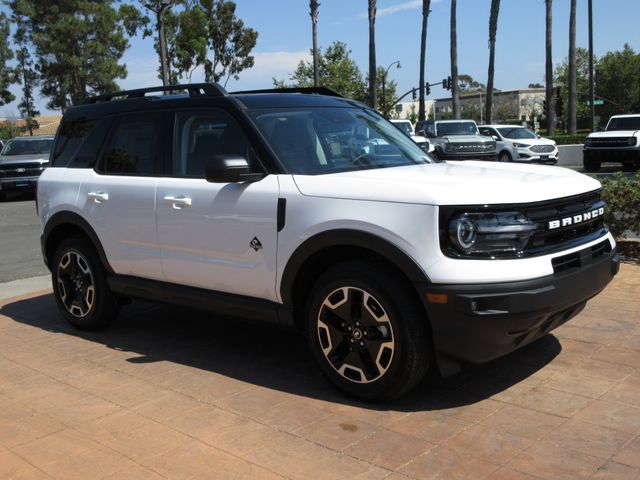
(133, 148)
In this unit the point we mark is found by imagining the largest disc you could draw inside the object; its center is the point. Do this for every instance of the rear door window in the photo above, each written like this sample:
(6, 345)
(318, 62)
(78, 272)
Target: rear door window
(71, 135)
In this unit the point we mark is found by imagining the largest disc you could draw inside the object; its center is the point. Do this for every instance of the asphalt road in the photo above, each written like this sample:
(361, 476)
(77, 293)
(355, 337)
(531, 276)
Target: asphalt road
(20, 239)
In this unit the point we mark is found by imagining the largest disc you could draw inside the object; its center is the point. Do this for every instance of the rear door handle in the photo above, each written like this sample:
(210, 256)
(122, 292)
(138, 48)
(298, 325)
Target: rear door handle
(178, 203)
(98, 197)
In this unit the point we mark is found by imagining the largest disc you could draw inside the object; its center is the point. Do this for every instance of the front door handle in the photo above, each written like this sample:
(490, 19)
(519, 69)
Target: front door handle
(98, 197)
(178, 203)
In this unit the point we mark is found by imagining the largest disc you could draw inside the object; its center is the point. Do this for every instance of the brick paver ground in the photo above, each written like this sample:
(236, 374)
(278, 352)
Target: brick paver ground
(168, 393)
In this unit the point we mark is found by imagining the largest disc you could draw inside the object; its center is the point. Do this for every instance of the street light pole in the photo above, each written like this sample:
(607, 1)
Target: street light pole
(384, 83)
(592, 107)
(159, 9)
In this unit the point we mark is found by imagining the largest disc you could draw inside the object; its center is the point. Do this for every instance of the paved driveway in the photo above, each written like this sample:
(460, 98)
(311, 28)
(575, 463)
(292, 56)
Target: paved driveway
(169, 393)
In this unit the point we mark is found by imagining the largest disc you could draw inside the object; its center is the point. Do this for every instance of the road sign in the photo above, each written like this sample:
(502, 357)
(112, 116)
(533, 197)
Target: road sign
(398, 108)
(596, 102)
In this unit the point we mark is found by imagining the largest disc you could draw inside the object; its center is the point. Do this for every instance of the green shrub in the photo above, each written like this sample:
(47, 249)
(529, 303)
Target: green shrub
(568, 139)
(622, 195)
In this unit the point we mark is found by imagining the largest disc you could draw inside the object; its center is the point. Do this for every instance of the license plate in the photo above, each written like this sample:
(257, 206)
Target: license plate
(544, 157)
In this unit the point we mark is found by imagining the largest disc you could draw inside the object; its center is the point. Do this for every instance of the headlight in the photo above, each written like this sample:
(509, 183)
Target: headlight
(486, 234)
(520, 145)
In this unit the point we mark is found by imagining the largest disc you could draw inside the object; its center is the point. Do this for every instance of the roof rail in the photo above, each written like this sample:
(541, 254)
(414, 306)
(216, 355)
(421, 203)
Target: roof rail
(317, 90)
(194, 89)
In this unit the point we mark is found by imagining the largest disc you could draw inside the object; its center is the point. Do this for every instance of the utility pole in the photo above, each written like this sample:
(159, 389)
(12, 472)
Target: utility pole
(158, 9)
(592, 106)
(384, 83)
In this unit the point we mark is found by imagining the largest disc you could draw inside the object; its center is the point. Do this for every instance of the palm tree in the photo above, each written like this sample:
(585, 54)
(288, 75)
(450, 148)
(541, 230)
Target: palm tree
(455, 88)
(372, 53)
(493, 28)
(573, 120)
(426, 5)
(551, 127)
(313, 11)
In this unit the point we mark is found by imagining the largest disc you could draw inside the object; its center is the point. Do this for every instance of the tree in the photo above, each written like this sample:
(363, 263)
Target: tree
(7, 76)
(313, 12)
(573, 119)
(77, 45)
(535, 85)
(551, 124)
(229, 41)
(161, 8)
(390, 92)
(372, 53)
(28, 77)
(187, 42)
(467, 84)
(582, 85)
(493, 28)
(455, 93)
(618, 84)
(336, 70)
(426, 5)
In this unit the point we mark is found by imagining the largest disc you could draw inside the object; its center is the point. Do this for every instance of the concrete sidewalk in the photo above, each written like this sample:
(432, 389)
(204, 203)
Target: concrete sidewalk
(171, 393)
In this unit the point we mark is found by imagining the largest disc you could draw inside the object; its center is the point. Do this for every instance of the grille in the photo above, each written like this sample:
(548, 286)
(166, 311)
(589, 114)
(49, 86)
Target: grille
(470, 147)
(611, 142)
(542, 148)
(580, 258)
(21, 169)
(545, 240)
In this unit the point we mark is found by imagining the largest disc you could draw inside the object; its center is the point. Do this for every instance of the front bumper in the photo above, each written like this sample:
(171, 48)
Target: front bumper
(18, 183)
(525, 154)
(479, 323)
(612, 154)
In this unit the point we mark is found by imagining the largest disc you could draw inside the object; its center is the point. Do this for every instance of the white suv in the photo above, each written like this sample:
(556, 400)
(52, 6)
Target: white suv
(302, 208)
(516, 143)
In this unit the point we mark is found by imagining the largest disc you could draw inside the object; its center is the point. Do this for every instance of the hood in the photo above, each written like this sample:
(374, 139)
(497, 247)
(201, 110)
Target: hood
(418, 138)
(467, 139)
(463, 183)
(31, 157)
(614, 133)
(530, 141)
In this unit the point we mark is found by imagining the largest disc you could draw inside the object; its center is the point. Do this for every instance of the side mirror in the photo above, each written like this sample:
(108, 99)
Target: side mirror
(230, 169)
(495, 137)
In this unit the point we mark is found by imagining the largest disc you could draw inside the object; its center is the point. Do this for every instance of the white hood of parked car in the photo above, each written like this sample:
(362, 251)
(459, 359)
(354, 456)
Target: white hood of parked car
(615, 133)
(450, 183)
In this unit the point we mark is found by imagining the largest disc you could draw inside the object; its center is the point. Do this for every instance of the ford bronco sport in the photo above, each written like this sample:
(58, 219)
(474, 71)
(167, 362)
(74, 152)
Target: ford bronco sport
(302, 208)
(620, 143)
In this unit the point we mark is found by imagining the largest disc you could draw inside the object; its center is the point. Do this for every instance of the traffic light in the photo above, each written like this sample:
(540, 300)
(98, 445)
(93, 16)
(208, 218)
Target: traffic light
(544, 108)
(413, 93)
(428, 92)
(446, 83)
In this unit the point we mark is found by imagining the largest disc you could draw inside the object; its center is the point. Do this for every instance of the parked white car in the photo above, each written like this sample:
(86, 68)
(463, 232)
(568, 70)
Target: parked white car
(407, 127)
(516, 143)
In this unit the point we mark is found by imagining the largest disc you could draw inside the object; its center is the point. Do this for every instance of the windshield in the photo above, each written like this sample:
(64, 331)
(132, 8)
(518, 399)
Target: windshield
(517, 132)
(28, 147)
(405, 127)
(457, 128)
(624, 123)
(313, 141)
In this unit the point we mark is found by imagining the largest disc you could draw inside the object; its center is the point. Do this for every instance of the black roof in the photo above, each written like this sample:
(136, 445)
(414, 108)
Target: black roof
(207, 94)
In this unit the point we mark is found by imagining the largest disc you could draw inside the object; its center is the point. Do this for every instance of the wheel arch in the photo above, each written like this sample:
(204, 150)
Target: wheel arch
(63, 225)
(320, 252)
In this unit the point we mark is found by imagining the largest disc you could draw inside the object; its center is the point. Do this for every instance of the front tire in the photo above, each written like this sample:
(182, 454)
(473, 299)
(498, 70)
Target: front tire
(504, 157)
(80, 285)
(367, 331)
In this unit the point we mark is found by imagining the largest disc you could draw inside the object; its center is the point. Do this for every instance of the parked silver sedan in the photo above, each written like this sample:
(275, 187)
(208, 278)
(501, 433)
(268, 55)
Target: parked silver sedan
(515, 143)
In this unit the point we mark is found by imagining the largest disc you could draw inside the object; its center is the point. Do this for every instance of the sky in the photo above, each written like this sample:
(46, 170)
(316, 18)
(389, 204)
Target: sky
(284, 38)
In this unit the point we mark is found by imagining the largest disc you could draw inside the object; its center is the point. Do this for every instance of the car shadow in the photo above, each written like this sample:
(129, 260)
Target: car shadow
(271, 357)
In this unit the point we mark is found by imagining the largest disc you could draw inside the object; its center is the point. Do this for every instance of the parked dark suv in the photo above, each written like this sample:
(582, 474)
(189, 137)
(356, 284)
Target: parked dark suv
(22, 160)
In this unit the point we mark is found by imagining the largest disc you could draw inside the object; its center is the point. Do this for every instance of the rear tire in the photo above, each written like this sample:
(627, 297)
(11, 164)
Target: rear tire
(367, 331)
(591, 165)
(80, 285)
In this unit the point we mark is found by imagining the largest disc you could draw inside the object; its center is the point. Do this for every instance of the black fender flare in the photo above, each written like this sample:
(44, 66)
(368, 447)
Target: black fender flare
(346, 238)
(71, 218)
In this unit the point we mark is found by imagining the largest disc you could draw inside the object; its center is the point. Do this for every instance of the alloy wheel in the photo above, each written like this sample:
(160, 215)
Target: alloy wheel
(355, 334)
(76, 286)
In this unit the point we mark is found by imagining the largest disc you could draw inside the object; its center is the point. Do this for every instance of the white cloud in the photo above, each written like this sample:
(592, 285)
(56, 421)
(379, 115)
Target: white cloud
(410, 5)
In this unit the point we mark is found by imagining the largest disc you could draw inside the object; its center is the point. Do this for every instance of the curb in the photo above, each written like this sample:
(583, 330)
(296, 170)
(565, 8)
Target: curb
(23, 286)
